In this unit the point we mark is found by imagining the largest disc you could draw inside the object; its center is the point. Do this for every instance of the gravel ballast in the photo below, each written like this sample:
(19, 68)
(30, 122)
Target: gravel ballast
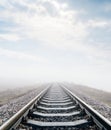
(13, 106)
(101, 107)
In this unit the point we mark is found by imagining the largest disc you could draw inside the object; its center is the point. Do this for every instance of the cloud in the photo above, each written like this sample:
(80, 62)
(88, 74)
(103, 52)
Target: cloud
(98, 23)
(85, 56)
(52, 23)
(46, 20)
(20, 55)
(9, 37)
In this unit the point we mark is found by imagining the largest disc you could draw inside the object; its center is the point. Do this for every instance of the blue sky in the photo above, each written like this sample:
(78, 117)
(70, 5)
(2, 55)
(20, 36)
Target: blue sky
(55, 40)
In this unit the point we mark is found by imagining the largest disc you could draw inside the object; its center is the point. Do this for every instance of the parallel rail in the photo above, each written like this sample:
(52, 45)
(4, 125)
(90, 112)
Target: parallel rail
(57, 108)
(100, 120)
(12, 123)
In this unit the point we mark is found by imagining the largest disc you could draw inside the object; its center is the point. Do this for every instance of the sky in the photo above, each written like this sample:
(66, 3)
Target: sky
(55, 40)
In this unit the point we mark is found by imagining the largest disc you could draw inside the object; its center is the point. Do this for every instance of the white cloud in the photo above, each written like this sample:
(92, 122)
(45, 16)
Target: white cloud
(54, 24)
(20, 55)
(98, 23)
(9, 37)
(47, 20)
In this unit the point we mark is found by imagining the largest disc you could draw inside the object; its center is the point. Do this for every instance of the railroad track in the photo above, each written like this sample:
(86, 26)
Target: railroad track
(56, 108)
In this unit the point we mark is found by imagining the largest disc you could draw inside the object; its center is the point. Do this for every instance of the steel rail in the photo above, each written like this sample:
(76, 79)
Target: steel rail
(101, 121)
(16, 119)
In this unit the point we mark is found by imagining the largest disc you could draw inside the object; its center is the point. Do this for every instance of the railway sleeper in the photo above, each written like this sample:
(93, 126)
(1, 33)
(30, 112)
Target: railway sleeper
(76, 125)
(57, 109)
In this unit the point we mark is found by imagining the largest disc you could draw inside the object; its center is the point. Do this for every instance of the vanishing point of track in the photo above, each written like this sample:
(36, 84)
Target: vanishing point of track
(56, 108)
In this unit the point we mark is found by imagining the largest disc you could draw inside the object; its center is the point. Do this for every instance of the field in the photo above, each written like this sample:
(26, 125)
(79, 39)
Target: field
(99, 95)
(13, 93)
(96, 94)
(12, 100)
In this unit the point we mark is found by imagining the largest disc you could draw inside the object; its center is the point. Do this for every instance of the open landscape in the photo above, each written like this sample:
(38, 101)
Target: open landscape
(63, 46)
(13, 100)
(98, 99)
(13, 93)
(96, 94)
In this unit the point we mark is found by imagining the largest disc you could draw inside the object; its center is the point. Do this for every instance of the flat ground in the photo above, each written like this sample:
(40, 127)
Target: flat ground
(15, 99)
(9, 94)
(99, 95)
(102, 96)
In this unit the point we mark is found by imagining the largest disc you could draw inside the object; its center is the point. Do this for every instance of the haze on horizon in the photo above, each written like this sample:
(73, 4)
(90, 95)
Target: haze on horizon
(55, 40)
